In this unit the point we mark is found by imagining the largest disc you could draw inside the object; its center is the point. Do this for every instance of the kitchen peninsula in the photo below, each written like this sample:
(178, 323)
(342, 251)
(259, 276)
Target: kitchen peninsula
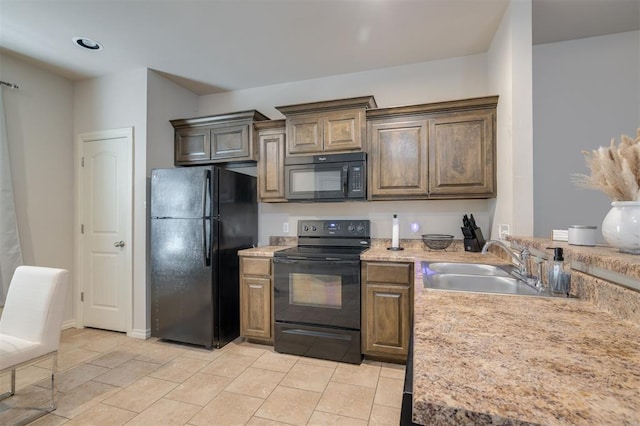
(501, 359)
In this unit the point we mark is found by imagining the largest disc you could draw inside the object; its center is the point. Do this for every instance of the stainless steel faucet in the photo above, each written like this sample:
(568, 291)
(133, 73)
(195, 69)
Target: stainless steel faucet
(521, 260)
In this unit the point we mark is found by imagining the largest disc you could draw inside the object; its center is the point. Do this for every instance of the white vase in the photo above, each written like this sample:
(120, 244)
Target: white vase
(621, 226)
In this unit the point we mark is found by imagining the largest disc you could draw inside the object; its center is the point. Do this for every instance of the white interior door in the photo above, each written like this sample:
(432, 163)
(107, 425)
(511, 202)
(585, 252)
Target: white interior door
(106, 229)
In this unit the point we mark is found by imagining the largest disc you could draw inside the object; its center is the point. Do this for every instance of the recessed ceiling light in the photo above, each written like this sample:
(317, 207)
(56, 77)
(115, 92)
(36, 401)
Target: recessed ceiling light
(87, 43)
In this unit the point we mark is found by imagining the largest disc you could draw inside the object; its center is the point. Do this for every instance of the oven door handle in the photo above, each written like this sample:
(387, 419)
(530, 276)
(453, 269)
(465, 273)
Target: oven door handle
(289, 259)
(292, 260)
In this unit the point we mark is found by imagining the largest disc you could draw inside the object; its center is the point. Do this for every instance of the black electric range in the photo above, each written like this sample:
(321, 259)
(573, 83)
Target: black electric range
(317, 290)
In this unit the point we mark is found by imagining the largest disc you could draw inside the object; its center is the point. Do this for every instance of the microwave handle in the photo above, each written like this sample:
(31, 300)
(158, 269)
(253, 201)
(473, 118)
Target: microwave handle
(345, 180)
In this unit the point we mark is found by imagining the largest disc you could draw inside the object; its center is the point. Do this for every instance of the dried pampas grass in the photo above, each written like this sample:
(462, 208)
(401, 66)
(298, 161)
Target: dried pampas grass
(614, 170)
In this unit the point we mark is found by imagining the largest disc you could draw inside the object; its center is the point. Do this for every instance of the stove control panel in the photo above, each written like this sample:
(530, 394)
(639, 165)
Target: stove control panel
(334, 228)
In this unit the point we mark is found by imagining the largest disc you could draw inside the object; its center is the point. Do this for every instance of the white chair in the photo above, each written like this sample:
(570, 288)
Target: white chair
(31, 322)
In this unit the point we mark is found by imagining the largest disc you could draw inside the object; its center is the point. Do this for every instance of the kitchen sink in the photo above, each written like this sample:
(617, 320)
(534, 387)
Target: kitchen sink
(481, 284)
(467, 269)
(476, 278)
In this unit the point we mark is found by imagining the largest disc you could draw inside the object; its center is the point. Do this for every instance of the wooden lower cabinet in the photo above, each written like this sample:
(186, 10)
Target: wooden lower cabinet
(387, 301)
(256, 298)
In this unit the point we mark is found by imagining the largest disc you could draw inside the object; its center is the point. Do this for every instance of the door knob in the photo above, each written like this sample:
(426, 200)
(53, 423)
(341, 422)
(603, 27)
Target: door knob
(118, 244)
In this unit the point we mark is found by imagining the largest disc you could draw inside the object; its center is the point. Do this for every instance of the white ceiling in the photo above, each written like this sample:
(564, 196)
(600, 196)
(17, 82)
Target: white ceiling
(210, 46)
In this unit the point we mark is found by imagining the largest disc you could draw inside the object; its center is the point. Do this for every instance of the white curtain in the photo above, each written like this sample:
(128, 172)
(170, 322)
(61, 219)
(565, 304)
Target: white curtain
(10, 251)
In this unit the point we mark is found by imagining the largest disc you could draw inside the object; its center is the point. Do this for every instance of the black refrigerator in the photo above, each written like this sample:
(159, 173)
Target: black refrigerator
(200, 218)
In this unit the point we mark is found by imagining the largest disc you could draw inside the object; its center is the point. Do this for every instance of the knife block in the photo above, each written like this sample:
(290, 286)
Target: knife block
(475, 242)
(471, 244)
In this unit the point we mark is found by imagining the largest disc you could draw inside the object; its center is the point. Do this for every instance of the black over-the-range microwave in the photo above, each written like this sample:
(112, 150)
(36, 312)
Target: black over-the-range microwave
(332, 177)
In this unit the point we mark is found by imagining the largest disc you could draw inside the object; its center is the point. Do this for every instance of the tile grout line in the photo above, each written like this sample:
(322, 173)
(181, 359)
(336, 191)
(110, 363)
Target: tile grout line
(289, 387)
(274, 388)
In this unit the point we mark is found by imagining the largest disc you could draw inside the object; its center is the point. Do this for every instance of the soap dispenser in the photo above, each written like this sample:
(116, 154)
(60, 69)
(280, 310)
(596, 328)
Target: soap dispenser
(558, 273)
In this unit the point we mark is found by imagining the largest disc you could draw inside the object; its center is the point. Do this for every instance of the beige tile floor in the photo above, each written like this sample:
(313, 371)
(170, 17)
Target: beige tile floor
(106, 378)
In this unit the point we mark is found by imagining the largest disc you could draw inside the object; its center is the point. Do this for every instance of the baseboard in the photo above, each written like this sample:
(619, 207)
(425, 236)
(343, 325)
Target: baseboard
(69, 324)
(140, 334)
(136, 334)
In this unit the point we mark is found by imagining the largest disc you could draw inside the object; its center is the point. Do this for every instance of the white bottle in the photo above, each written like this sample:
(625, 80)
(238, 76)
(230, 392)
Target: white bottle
(395, 233)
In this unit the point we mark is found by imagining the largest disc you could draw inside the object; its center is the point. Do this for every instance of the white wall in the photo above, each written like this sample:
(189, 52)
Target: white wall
(510, 76)
(439, 217)
(165, 101)
(39, 117)
(450, 79)
(118, 101)
(433, 81)
(586, 92)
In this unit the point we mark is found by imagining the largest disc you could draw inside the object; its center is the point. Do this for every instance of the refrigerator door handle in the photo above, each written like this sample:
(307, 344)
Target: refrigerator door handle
(205, 193)
(206, 238)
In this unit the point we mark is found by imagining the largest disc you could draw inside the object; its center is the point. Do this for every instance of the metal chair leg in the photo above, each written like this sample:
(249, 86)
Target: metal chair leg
(54, 370)
(41, 411)
(13, 386)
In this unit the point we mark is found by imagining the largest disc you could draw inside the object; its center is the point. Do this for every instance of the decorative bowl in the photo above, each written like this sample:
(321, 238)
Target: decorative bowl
(437, 241)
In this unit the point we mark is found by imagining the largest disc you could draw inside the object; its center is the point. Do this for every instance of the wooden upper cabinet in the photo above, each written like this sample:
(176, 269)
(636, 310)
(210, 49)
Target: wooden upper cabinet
(328, 126)
(344, 130)
(305, 134)
(439, 150)
(271, 142)
(397, 158)
(461, 154)
(216, 139)
(192, 145)
(231, 141)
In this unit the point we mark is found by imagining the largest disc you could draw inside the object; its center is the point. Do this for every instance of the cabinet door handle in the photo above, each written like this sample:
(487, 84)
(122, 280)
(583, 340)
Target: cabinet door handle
(391, 295)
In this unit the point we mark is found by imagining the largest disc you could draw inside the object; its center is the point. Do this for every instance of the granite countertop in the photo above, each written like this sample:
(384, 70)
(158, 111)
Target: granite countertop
(488, 359)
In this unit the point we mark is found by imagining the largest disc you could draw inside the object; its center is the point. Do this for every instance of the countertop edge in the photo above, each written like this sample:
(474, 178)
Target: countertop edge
(263, 251)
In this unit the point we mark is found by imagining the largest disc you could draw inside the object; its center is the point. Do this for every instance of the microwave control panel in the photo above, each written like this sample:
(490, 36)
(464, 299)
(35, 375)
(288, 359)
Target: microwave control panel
(356, 179)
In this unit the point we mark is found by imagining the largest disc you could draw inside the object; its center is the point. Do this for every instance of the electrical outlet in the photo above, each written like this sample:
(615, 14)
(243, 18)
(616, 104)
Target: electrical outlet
(285, 227)
(503, 230)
